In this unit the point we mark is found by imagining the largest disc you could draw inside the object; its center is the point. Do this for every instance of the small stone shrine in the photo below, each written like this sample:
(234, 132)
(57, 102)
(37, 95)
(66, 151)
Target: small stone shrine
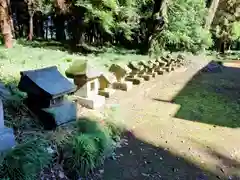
(170, 63)
(135, 71)
(86, 78)
(7, 138)
(46, 89)
(146, 73)
(152, 69)
(121, 71)
(105, 81)
(160, 66)
(180, 60)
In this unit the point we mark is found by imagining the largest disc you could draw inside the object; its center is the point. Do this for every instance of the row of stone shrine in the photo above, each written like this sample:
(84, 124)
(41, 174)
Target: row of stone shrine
(46, 89)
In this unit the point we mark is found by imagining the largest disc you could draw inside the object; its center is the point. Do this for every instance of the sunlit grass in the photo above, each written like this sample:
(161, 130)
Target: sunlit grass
(20, 58)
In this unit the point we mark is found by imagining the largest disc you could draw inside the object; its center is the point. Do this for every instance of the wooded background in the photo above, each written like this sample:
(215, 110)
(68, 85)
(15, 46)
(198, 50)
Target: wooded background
(146, 25)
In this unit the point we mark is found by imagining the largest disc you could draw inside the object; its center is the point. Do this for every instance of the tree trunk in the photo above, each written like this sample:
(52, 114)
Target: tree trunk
(5, 23)
(59, 23)
(211, 13)
(10, 18)
(156, 23)
(30, 33)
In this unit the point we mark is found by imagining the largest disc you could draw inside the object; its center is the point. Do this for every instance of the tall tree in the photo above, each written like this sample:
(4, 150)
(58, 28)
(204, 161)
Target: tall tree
(225, 24)
(35, 6)
(31, 10)
(211, 13)
(5, 23)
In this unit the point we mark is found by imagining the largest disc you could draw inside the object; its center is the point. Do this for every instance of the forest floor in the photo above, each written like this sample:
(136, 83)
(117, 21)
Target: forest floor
(183, 125)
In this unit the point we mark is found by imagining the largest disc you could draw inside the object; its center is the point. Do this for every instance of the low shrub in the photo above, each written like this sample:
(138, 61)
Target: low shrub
(25, 161)
(87, 149)
(114, 131)
(81, 155)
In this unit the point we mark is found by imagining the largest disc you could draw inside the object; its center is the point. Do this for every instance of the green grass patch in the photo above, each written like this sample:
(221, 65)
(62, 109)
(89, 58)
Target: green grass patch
(23, 57)
(211, 98)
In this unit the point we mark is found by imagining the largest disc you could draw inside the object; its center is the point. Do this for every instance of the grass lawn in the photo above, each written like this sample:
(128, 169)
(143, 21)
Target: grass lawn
(212, 98)
(21, 57)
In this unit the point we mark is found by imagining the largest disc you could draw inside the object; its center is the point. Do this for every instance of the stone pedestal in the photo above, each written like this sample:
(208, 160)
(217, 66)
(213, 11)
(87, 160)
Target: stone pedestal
(54, 116)
(7, 138)
(124, 86)
(58, 115)
(92, 102)
(107, 92)
(146, 77)
(152, 73)
(135, 80)
(167, 69)
(160, 72)
(1, 115)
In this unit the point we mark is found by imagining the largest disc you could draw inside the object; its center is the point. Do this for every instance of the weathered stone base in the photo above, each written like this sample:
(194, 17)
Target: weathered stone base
(146, 77)
(7, 139)
(159, 71)
(58, 115)
(153, 74)
(93, 102)
(167, 69)
(107, 92)
(124, 86)
(55, 116)
(135, 80)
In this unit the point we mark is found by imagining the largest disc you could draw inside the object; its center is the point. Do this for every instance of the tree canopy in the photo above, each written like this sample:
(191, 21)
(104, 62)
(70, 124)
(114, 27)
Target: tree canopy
(145, 25)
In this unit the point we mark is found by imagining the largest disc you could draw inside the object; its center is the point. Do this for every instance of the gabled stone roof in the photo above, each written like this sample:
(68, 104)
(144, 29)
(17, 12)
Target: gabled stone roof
(135, 66)
(119, 68)
(110, 78)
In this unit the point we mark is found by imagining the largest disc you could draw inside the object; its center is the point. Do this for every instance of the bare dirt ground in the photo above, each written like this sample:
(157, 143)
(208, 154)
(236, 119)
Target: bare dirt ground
(170, 135)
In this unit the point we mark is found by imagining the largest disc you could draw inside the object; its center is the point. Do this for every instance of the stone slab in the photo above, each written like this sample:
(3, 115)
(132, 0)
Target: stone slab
(153, 74)
(160, 72)
(56, 115)
(1, 115)
(7, 139)
(146, 77)
(124, 86)
(4, 92)
(107, 92)
(134, 80)
(93, 102)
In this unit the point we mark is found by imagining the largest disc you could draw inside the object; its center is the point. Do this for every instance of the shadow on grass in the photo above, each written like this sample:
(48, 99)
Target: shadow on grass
(61, 46)
(211, 97)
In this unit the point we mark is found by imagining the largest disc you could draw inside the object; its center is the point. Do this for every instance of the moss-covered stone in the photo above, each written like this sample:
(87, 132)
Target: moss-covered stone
(119, 70)
(81, 67)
